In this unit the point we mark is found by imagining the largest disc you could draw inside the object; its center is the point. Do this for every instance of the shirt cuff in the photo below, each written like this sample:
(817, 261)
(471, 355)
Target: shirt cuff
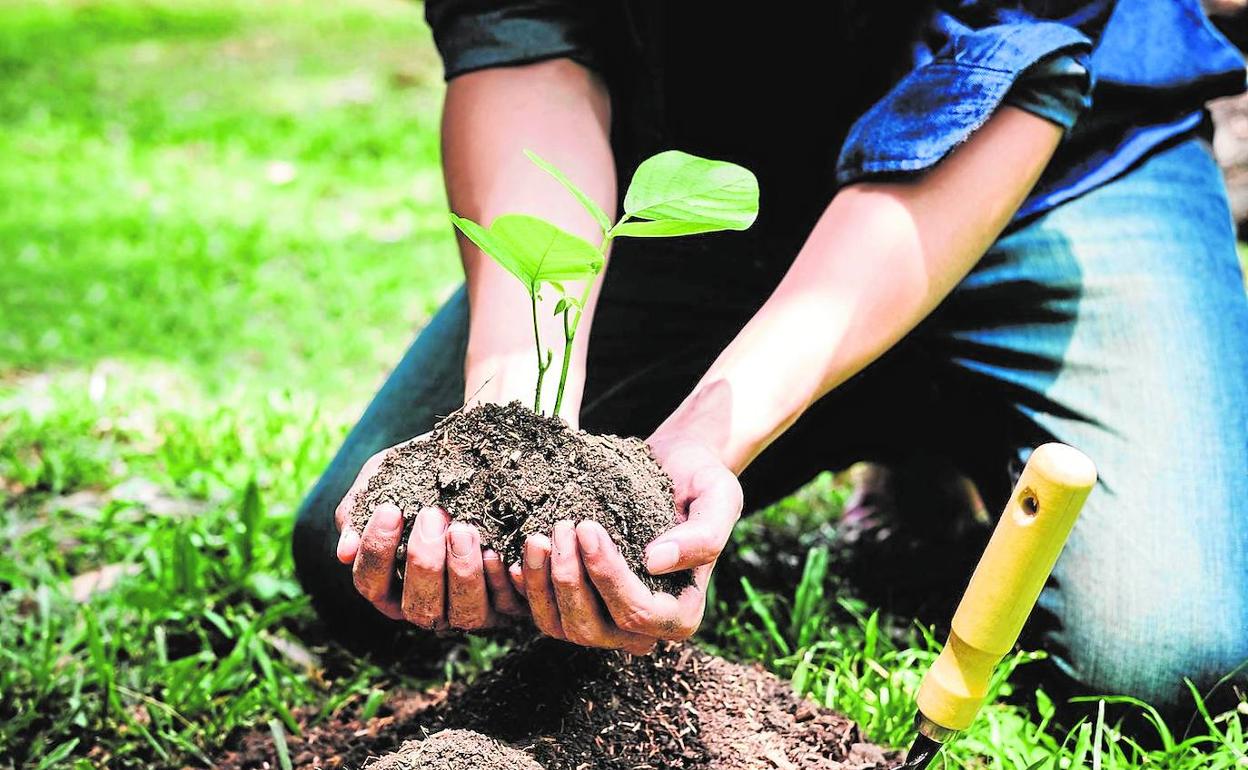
(1054, 90)
(472, 36)
(938, 105)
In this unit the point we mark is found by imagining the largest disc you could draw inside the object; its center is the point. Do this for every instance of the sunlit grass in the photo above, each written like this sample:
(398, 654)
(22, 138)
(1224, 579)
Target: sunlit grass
(234, 187)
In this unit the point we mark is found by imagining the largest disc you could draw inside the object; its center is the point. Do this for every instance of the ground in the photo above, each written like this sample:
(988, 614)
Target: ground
(220, 223)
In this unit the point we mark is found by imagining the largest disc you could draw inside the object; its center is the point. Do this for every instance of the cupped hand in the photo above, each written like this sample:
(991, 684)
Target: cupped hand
(448, 580)
(579, 588)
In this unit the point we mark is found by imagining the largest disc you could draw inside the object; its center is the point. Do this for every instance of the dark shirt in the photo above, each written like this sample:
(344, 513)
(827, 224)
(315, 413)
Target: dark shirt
(819, 95)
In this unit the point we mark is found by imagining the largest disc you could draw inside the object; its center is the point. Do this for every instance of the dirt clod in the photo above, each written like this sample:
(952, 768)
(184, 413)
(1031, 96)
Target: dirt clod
(512, 473)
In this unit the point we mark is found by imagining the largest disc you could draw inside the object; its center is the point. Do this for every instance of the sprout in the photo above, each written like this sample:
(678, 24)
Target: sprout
(673, 193)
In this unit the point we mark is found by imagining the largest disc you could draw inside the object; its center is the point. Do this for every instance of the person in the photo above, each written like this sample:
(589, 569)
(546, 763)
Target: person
(983, 226)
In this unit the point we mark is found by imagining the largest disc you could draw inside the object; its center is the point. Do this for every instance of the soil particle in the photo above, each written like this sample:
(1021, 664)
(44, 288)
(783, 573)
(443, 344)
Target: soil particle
(455, 750)
(513, 473)
(571, 708)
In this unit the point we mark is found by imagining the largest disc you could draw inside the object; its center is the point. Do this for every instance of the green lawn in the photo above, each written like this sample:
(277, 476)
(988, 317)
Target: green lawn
(220, 223)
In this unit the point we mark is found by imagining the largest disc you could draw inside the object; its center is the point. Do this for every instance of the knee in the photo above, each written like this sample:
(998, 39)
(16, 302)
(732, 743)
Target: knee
(1154, 658)
(309, 537)
(313, 545)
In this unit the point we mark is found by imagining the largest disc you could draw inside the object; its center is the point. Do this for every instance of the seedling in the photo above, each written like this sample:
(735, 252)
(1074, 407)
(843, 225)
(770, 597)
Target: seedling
(671, 194)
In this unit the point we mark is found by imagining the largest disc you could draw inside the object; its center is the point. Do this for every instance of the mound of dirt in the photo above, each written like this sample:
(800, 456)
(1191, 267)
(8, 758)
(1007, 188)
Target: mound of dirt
(678, 708)
(455, 750)
(512, 473)
(571, 708)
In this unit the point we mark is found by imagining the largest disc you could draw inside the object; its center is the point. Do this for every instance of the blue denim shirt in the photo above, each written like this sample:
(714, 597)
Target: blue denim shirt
(1123, 78)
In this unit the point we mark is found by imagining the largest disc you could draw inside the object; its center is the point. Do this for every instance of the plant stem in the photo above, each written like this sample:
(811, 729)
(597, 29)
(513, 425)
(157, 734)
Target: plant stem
(542, 366)
(569, 331)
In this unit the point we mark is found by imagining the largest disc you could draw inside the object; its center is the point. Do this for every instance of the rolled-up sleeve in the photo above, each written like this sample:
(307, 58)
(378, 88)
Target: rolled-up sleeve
(1055, 89)
(972, 58)
(477, 34)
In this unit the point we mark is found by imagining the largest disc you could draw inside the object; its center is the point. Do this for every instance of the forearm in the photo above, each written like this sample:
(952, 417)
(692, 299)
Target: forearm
(881, 258)
(561, 111)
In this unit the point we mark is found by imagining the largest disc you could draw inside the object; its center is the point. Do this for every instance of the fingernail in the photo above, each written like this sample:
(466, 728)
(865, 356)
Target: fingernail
(488, 555)
(432, 525)
(388, 517)
(346, 545)
(461, 540)
(589, 535)
(565, 537)
(515, 569)
(662, 556)
(535, 558)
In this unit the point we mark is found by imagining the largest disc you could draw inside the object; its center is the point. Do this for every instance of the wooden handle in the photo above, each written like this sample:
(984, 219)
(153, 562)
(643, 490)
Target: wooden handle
(1021, 554)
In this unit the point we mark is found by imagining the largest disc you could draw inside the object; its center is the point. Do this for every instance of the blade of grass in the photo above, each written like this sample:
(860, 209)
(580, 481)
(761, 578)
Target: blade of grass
(279, 744)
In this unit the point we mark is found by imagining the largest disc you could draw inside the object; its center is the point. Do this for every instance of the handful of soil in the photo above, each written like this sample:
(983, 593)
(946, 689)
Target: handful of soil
(512, 473)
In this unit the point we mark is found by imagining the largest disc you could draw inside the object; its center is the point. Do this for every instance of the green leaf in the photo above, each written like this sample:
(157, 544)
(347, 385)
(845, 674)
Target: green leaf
(279, 743)
(58, 754)
(592, 207)
(267, 586)
(371, 706)
(675, 186)
(544, 251)
(756, 603)
(566, 303)
(495, 250)
(533, 250)
(250, 514)
(663, 228)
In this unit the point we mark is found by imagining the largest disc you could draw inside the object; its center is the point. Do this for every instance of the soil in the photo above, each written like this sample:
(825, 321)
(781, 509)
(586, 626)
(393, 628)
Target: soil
(455, 750)
(553, 706)
(512, 473)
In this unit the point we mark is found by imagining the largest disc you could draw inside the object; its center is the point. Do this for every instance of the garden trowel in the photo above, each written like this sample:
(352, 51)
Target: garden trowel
(1003, 590)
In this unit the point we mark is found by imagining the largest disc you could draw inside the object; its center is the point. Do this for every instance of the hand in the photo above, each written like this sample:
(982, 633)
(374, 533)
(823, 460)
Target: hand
(579, 587)
(449, 581)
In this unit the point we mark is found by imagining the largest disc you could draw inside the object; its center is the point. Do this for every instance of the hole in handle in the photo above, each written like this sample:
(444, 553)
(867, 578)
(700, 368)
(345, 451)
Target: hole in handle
(1030, 502)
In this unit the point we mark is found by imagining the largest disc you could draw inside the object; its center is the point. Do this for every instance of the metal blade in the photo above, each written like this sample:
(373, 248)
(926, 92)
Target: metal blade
(921, 753)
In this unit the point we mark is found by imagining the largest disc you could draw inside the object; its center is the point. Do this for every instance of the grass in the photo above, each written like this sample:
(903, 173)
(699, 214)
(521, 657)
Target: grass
(220, 223)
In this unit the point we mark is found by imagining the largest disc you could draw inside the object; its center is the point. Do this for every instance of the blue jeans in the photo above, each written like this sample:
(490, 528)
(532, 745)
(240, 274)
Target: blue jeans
(1116, 323)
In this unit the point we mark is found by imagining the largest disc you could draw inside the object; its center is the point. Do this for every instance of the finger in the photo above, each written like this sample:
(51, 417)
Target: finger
(503, 597)
(348, 545)
(700, 539)
(349, 538)
(342, 513)
(633, 606)
(516, 573)
(424, 580)
(644, 645)
(468, 603)
(373, 572)
(584, 622)
(538, 588)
